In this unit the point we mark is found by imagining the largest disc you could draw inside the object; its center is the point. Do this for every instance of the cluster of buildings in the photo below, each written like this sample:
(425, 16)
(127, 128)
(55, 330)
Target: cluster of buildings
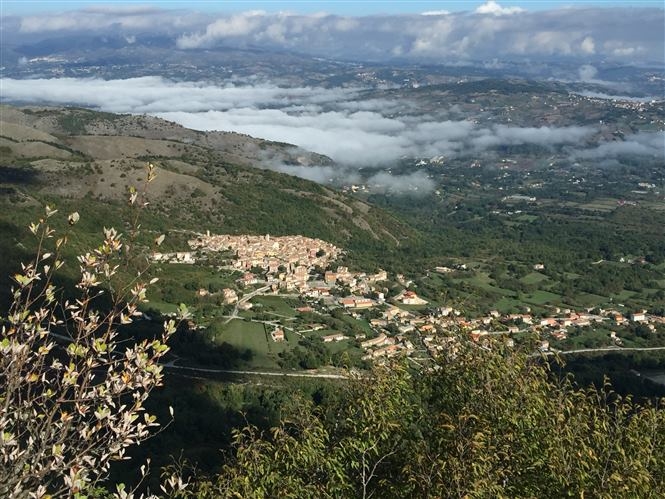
(397, 328)
(551, 327)
(270, 253)
(186, 257)
(295, 263)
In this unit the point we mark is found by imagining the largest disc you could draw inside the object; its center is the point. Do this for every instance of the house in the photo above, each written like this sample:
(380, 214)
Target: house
(387, 351)
(356, 302)
(393, 312)
(300, 272)
(560, 335)
(159, 257)
(178, 257)
(248, 279)
(363, 303)
(333, 337)
(277, 335)
(445, 311)
(348, 302)
(184, 257)
(411, 298)
(477, 334)
(379, 340)
(330, 277)
(381, 275)
(640, 316)
(229, 296)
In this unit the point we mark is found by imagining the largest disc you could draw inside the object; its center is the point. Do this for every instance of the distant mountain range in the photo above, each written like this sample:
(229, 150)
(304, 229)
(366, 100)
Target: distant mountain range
(113, 57)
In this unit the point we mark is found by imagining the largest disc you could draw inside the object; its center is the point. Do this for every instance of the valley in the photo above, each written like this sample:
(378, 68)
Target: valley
(342, 249)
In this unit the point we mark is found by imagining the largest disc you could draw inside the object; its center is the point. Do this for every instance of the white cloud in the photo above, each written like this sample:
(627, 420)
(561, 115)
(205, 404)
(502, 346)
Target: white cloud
(369, 133)
(234, 26)
(417, 183)
(627, 98)
(346, 24)
(637, 144)
(492, 7)
(121, 9)
(153, 94)
(113, 18)
(588, 46)
(435, 13)
(587, 72)
(491, 31)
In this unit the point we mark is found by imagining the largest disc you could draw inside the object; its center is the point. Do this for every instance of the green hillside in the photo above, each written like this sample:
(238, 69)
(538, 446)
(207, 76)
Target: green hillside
(82, 160)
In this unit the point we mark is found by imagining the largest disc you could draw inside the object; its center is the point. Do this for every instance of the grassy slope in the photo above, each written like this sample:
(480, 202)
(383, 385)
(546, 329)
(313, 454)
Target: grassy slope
(203, 182)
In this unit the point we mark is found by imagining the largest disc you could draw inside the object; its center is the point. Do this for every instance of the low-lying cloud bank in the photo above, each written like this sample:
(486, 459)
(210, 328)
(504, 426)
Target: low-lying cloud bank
(363, 133)
(153, 94)
(490, 30)
(637, 144)
(416, 183)
(327, 121)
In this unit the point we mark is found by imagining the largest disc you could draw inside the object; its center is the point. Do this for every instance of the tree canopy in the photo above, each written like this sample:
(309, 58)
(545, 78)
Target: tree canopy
(484, 423)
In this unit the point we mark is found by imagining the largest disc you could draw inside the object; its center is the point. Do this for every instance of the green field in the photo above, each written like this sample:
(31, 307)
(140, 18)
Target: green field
(255, 337)
(542, 297)
(600, 204)
(274, 304)
(534, 278)
(508, 305)
(483, 281)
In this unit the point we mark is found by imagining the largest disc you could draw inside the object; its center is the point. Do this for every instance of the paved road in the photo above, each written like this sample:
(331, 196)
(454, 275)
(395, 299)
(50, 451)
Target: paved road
(606, 349)
(245, 298)
(171, 365)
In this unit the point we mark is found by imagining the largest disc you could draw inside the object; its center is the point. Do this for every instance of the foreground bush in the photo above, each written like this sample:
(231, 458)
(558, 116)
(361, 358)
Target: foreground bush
(73, 393)
(483, 424)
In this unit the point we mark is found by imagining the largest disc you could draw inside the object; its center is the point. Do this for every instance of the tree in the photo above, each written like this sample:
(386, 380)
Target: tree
(351, 450)
(72, 388)
(487, 422)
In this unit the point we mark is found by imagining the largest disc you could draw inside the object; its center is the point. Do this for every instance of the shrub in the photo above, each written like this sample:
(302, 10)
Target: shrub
(73, 392)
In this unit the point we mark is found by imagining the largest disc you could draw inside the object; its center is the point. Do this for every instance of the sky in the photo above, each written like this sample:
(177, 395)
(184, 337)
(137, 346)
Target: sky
(339, 7)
